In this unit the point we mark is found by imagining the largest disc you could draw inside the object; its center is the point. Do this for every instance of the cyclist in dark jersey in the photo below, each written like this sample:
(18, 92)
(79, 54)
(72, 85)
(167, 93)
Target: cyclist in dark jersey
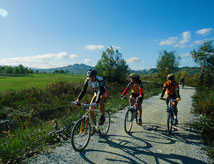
(100, 93)
(136, 87)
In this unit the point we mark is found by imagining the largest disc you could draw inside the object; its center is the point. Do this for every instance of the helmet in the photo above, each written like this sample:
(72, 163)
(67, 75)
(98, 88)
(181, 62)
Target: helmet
(91, 72)
(134, 75)
(170, 77)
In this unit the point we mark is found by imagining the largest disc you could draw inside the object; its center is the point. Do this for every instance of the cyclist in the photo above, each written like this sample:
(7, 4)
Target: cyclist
(182, 82)
(136, 87)
(171, 88)
(100, 94)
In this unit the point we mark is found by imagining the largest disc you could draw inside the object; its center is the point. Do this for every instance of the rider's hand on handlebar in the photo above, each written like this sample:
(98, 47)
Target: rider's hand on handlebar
(161, 98)
(77, 102)
(178, 99)
(122, 97)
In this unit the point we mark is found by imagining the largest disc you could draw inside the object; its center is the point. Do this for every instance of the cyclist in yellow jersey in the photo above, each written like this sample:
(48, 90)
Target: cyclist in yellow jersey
(136, 88)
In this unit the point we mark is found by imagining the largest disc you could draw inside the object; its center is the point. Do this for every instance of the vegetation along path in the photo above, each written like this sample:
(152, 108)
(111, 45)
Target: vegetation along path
(148, 143)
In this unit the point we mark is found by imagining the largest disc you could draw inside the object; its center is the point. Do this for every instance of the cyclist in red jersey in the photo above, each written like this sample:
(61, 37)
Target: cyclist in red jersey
(136, 87)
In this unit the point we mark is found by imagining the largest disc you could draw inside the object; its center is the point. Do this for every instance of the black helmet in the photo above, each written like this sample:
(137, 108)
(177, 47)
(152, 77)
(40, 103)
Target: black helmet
(91, 72)
(170, 77)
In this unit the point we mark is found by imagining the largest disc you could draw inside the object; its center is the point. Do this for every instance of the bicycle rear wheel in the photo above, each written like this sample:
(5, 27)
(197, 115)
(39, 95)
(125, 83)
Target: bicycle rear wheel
(103, 129)
(169, 123)
(80, 134)
(128, 121)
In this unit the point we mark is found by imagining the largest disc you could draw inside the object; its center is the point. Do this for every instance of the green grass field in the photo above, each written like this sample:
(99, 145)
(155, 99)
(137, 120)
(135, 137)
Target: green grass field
(35, 80)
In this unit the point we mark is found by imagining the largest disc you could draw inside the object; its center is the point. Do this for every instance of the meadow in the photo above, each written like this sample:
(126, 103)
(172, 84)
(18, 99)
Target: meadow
(31, 107)
(35, 80)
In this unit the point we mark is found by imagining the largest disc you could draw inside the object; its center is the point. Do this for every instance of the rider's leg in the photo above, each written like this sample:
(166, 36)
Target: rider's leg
(131, 100)
(101, 105)
(103, 97)
(91, 112)
(139, 105)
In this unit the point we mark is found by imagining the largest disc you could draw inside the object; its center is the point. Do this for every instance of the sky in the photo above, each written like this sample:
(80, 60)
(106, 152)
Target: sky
(55, 33)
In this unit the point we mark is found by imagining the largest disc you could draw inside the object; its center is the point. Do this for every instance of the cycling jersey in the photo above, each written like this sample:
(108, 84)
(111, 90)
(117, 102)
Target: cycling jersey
(98, 86)
(136, 88)
(171, 88)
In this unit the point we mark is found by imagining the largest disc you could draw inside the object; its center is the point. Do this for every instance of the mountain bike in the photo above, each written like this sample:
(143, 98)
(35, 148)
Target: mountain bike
(82, 129)
(131, 114)
(170, 114)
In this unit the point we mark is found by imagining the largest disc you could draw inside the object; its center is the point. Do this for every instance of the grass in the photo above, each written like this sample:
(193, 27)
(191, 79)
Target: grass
(35, 80)
(203, 103)
(33, 102)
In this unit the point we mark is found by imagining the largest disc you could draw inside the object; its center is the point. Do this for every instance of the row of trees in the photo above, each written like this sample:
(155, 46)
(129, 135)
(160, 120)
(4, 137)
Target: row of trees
(6, 70)
(114, 68)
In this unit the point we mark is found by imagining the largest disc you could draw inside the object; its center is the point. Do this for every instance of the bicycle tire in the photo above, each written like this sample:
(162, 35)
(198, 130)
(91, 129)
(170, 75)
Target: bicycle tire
(80, 135)
(169, 123)
(103, 130)
(128, 121)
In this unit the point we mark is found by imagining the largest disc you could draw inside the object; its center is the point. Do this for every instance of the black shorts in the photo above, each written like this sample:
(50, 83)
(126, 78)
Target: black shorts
(136, 95)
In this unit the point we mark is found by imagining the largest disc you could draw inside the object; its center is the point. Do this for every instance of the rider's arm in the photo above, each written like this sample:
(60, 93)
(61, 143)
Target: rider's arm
(140, 89)
(164, 89)
(126, 89)
(82, 93)
(101, 89)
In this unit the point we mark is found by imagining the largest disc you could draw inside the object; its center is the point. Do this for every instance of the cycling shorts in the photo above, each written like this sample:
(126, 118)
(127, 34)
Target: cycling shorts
(104, 95)
(134, 95)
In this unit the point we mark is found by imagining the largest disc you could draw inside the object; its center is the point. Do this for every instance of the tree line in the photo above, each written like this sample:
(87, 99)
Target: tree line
(17, 70)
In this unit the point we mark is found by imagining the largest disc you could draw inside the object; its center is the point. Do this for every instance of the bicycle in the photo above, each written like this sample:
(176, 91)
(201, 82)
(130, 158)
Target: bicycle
(82, 129)
(170, 114)
(131, 114)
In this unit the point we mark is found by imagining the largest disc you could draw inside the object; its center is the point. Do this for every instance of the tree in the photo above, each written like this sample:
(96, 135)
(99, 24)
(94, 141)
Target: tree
(167, 63)
(205, 57)
(21, 69)
(112, 66)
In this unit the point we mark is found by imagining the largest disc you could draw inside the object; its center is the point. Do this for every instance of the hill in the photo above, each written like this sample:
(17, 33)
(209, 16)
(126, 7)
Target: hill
(73, 69)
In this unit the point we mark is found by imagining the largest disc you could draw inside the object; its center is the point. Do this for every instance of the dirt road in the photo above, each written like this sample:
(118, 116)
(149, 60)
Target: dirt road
(148, 143)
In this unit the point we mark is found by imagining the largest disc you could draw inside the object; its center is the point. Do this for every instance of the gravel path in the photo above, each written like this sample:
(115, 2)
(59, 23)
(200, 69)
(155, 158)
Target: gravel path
(148, 143)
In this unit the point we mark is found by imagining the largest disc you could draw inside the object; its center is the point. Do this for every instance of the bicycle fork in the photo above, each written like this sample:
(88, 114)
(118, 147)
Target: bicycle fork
(86, 125)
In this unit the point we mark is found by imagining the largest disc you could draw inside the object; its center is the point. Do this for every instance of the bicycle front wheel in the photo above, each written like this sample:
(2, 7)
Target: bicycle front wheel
(128, 121)
(169, 123)
(80, 134)
(103, 129)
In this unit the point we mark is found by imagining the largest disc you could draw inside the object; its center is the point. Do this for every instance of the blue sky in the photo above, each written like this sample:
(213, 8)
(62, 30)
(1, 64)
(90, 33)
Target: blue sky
(54, 33)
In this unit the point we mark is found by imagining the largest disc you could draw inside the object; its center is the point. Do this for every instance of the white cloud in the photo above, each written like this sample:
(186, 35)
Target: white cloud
(180, 45)
(174, 41)
(73, 56)
(185, 55)
(186, 36)
(115, 47)
(87, 61)
(197, 42)
(94, 47)
(38, 61)
(204, 31)
(169, 41)
(134, 60)
(3, 13)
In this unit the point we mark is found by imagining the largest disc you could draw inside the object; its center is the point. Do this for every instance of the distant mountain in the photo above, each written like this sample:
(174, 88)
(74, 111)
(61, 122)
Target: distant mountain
(188, 70)
(82, 69)
(75, 69)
